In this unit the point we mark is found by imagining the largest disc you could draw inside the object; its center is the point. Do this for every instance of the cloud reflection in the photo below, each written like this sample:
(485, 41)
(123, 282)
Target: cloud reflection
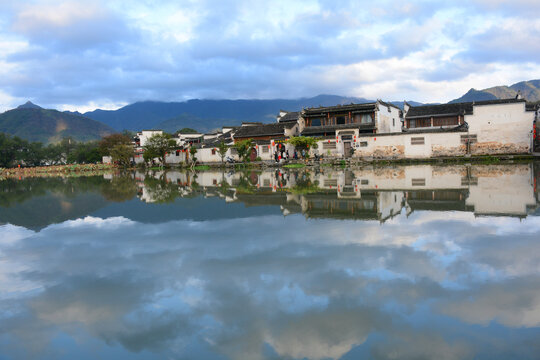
(298, 288)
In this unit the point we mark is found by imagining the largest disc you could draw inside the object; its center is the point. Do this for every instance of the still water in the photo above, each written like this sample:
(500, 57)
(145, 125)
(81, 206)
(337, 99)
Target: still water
(415, 262)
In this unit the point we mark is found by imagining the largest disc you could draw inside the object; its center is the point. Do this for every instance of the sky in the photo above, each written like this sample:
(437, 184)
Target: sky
(83, 55)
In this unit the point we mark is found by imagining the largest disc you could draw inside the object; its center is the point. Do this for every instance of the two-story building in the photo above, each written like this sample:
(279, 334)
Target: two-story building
(341, 126)
(486, 127)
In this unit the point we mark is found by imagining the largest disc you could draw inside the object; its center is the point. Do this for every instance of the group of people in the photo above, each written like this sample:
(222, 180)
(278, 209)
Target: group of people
(281, 153)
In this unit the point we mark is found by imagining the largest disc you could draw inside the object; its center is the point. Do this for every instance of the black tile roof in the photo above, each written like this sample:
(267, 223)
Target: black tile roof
(457, 128)
(454, 108)
(532, 107)
(354, 108)
(263, 130)
(290, 116)
(226, 138)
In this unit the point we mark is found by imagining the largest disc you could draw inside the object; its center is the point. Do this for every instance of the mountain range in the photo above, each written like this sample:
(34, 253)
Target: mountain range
(530, 90)
(33, 123)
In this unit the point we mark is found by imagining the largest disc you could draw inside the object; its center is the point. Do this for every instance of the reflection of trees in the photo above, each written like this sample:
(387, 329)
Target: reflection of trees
(245, 185)
(161, 191)
(304, 185)
(121, 188)
(14, 191)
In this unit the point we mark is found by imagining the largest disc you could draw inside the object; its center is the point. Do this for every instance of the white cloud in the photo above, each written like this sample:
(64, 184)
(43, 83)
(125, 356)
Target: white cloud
(106, 54)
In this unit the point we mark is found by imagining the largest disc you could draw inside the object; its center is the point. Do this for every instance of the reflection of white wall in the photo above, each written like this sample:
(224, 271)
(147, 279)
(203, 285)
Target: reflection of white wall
(390, 203)
(502, 190)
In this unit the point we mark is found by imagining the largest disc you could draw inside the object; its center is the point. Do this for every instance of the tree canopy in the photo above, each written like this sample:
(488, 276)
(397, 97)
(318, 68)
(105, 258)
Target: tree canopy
(243, 148)
(158, 146)
(303, 142)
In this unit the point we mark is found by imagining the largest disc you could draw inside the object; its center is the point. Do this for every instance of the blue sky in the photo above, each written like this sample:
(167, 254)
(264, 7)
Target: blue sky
(82, 55)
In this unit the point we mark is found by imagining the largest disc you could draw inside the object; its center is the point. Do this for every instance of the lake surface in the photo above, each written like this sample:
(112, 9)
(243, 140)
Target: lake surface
(412, 262)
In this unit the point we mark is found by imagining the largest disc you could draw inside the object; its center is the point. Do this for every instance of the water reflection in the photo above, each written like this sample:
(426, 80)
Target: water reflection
(368, 193)
(422, 276)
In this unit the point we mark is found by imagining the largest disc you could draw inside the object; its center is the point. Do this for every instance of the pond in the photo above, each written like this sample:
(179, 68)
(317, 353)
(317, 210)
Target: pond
(398, 262)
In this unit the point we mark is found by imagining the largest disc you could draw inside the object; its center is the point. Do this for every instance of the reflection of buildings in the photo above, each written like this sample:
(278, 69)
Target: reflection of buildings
(370, 193)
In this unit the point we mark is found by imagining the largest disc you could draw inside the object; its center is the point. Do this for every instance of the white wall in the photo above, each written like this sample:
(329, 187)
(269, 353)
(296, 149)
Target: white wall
(388, 120)
(501, 128)
(146, 134)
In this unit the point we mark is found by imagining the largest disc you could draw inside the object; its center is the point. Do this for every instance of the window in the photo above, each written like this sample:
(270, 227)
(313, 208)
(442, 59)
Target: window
(468, 138)
(445, 121)
(393, 122)
(417, 123)
(364, 182)
(330, 182)
(213, 151)
(340, 120)
(316, 122)
(417, 141)
(418, 182)
(265, 148)
(329, 145)
(366, 119)
(363, 143)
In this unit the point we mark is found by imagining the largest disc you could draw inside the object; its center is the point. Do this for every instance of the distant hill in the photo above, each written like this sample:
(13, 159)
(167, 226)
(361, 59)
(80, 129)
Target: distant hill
(530, 90)
(33, 123)
(205, 115)
(28, 105)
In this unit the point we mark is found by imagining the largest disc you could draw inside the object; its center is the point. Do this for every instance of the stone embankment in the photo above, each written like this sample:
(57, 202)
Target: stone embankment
(56, 171)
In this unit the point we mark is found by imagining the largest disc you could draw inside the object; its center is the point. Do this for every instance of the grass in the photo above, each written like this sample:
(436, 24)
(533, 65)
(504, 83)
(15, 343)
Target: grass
(294, 166)
(202, 167)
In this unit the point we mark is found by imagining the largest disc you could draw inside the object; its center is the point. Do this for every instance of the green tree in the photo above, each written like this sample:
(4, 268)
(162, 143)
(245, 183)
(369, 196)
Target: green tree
(34, 154)
(84, 153)
(9, 149)
(303, 142)
(52, 154)
(222, 150)
(192, 153)
(243, 148)
(159, 145)
(121, 154)
(67, 145)
(107, 143)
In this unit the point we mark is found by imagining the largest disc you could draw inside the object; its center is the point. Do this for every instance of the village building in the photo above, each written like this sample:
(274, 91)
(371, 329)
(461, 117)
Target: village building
(268, 139)
(188, 139)
(485, 127)
(340, 126)
(208, 152)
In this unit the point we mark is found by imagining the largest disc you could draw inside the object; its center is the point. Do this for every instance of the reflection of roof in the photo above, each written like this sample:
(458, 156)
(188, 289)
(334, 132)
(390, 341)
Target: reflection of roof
(263, 130)
(263, 199)
(438, 200)
(315, 130)
(454, 108)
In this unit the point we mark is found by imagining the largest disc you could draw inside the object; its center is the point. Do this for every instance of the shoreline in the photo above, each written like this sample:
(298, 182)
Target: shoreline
(100, 169)
(56, 171)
